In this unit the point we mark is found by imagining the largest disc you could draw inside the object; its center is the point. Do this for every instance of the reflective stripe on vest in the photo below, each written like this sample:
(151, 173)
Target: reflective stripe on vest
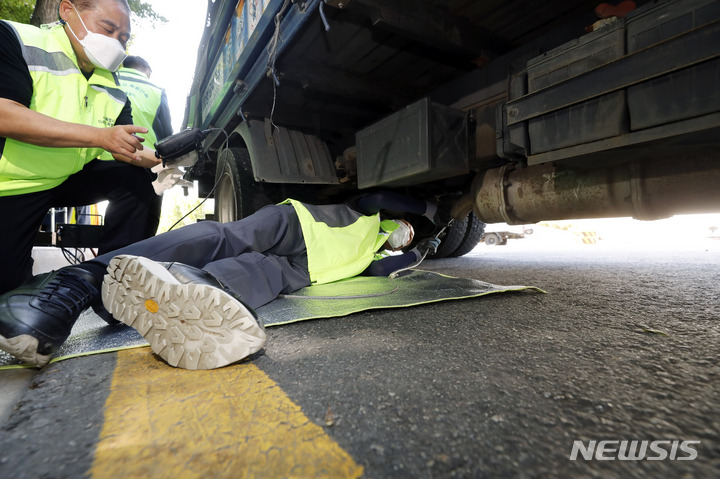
(61, 91)
(341, 243)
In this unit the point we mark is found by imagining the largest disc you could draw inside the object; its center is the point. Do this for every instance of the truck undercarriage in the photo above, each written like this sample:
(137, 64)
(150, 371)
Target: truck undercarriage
(512, 111)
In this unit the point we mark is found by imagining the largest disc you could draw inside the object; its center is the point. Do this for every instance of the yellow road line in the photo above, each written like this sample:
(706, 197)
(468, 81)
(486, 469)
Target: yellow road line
(233, 422)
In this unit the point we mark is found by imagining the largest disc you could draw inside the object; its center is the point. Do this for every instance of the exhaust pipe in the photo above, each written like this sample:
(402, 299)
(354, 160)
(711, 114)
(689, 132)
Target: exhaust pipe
(646, 190)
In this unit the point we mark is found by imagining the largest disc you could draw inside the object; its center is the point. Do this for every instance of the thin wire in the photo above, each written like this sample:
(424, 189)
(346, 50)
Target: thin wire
(396, 273)
(224, 146)
(323, 17)
(73, 258)
(272, 57)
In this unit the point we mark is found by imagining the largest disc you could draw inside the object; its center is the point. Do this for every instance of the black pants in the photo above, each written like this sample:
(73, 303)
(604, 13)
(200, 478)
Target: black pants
(257, 257)
(131, 215)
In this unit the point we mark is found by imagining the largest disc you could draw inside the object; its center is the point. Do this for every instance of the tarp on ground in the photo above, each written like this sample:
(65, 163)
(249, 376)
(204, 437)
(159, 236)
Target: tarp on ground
(92, 335)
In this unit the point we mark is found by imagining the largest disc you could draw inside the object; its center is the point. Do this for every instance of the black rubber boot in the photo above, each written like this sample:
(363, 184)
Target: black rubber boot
(37, 317)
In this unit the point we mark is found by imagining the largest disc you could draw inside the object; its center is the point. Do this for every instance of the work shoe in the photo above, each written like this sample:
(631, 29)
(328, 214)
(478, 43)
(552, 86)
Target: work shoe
(188, 317)
(37, 317)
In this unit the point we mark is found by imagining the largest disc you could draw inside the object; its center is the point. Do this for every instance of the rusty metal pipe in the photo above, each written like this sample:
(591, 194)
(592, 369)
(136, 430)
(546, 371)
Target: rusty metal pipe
(651, 189)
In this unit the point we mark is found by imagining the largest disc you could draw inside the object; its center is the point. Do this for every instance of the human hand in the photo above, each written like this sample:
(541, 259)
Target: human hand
(122, 140)
(145, 158)
(428, 246)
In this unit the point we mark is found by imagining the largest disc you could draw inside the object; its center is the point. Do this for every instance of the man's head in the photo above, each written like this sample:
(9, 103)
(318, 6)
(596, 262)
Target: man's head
(110, 18)
(138, 63)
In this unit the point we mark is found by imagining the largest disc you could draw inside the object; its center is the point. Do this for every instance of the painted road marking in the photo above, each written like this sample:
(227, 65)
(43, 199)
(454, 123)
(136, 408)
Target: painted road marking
(223, 423)
(587, 237)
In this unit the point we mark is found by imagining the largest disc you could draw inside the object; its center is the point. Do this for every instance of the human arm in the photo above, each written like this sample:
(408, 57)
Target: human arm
(389, 264)
(147, 155)
(126, 115)
(371, 203)
(23, 124)
(20, 123)
(398, 203)
(15, 80)
(145, 158)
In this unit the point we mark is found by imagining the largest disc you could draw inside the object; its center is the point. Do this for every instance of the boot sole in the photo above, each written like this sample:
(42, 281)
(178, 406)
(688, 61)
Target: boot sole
(191, 326)
(24, 347)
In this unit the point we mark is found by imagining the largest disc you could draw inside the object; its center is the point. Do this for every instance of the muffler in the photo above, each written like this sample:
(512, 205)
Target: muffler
(647, 190)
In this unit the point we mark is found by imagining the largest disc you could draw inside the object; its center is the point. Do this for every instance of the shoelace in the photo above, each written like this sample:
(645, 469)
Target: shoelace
(67, 291)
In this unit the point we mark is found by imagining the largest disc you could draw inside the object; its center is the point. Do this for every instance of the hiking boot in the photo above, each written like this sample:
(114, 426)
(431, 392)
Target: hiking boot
(188, 317)
(37, 317)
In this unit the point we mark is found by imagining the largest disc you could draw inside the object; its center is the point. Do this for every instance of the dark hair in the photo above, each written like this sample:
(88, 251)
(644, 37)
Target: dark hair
(138, 63)
(83, 5)
(86, 4)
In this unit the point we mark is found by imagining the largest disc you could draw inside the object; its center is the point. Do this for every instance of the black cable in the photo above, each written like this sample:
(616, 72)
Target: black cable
(196, 206)
(224, 146)
(73, 258)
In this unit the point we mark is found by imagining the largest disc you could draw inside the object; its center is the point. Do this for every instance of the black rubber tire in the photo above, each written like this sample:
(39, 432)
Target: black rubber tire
(453, 238)
(237, 194)
(461, 238)
(473, 234)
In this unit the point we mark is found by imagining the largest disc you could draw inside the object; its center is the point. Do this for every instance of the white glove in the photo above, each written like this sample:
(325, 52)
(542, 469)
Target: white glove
(167, 178)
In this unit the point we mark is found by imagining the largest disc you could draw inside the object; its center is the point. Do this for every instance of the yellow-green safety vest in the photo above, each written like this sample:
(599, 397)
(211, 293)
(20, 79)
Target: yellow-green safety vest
(61, 91)
(341, 243)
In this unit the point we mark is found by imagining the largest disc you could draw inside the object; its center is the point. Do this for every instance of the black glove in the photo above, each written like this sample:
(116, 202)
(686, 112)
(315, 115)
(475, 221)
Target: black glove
(428, 246)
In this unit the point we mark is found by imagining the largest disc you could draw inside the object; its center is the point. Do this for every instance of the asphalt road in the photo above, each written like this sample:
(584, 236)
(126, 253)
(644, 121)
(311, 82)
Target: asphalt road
(624, 346)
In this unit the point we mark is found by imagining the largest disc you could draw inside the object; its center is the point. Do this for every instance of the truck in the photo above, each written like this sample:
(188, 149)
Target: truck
(500, 112)
(501, 237)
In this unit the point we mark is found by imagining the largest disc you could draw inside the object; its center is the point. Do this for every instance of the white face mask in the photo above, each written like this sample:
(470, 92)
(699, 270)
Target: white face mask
(102, 51)
(402, 236)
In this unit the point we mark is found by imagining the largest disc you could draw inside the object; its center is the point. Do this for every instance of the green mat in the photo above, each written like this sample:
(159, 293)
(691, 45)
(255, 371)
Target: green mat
(91, 335)
(363, 293)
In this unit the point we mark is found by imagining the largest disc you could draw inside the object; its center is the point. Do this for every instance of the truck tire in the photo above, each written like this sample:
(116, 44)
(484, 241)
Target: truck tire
(461, 238)
(237, 194)
(473, 234)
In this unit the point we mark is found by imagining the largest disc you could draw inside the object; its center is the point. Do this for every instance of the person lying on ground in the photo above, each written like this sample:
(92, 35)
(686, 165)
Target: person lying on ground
(192, 292)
